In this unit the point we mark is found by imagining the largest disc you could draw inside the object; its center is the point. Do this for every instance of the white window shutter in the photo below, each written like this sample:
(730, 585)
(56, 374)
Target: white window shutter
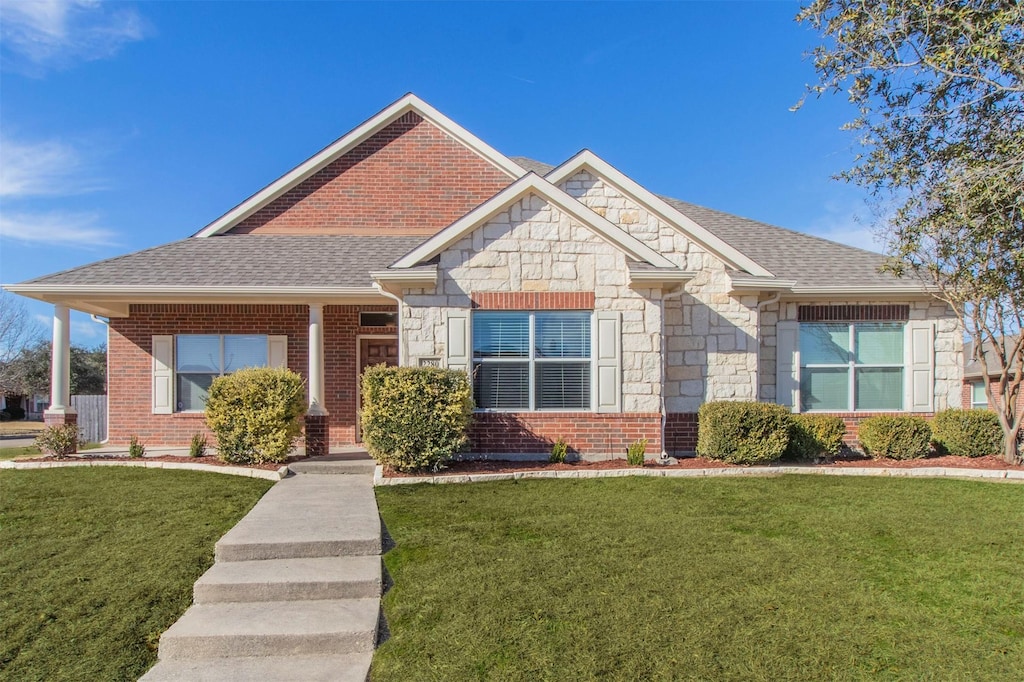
(277, 351)
(459, 344)
(919, 348)
(163, 374)
(607, 349)
(787, 364)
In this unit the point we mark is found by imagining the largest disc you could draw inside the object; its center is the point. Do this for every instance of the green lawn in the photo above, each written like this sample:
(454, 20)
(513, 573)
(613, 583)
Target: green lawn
(96, 562)
(798, 577)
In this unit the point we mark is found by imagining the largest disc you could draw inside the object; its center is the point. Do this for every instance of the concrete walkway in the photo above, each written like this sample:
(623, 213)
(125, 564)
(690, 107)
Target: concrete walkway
(295, 590)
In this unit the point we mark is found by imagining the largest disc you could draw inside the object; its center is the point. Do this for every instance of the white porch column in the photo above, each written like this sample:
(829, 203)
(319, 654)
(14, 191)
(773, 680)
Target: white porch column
(316, 359)
(60, 363)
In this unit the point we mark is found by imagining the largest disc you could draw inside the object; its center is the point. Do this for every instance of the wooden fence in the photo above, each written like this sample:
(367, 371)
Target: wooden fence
(92, 416)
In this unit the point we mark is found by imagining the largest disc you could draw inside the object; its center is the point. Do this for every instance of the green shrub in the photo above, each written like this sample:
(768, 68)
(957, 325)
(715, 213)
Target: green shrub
(815, 435)
(969, 433)
(415, 417)
(256, 414)
(197, 448)
(60, 440)
(135, 448)
(895, 437)
(636, 452)
(558, 451)
(743, 432)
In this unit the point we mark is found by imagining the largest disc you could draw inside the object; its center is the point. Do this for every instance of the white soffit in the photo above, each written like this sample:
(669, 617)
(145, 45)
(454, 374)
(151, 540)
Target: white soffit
(587, 159)
(531, 183)
(343, 145)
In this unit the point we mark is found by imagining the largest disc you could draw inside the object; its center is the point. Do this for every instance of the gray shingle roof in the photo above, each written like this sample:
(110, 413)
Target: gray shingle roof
(246, 260)
(789, 255)
(972, 368)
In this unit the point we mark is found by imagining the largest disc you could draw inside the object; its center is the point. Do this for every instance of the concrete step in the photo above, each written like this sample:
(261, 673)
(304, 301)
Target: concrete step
(345, 668)
(307, 516)
(330, 465)
(290, 579)
(297, 628)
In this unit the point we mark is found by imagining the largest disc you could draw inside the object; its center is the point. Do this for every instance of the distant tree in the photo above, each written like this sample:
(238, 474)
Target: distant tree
(30, 370)
(939, 90)
(17, 331)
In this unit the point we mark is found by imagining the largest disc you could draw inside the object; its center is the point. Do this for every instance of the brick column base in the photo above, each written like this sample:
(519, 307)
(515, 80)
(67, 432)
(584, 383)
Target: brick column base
(318, 435)
(60, 418)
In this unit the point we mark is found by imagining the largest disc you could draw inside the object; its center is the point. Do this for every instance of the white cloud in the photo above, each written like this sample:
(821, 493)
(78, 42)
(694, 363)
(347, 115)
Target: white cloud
(848, 223)
(42, 34)
(47, 168)
(84, 331)
(56, 228)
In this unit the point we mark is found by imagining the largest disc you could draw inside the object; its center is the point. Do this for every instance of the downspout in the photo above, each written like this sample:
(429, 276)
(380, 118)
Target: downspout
(676, 293)
(402, 355)
(774, 298)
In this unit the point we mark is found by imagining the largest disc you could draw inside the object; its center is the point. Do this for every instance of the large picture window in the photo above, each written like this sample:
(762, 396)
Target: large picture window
(851, 367)
(201, 358)
(531, 360)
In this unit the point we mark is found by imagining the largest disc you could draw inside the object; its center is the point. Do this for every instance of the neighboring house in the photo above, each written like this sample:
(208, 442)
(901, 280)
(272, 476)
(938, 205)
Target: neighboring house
(975, 378)
(583, 305)
(33, 405)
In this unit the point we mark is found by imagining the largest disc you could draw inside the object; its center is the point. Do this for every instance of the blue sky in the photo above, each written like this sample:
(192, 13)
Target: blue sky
(127, 125)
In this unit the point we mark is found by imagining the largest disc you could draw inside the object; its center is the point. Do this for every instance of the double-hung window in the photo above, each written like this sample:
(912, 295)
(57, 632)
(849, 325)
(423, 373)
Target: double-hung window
(201, 358)
(852, 367)
(532, 360)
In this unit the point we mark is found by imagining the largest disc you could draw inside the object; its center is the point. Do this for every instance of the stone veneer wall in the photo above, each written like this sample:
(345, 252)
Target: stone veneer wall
(711, 336)
(532, 246)
(949, 346)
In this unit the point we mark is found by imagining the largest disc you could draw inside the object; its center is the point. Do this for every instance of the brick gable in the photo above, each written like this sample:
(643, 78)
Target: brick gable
(409, 178)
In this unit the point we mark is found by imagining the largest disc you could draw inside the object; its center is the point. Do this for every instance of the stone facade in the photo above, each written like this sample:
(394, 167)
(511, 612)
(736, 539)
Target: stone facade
(532, 246)
(949, 346)
(710, 335)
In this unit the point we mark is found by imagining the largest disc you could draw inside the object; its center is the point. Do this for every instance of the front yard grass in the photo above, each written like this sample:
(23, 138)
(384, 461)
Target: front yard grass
(96, 562)
(797, 577)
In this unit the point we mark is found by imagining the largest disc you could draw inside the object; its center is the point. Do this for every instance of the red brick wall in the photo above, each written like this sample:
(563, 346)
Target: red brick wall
(533, 300)
(994, 383)
(409, 178)
(585, 433)
(681, 433)
(130, 362)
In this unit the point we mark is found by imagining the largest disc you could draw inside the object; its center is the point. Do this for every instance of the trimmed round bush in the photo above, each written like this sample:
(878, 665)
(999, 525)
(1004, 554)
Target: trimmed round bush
(815, 435)
(415, 418)
(256, 414)
(743, 432)
(895, 437)
(968, 433)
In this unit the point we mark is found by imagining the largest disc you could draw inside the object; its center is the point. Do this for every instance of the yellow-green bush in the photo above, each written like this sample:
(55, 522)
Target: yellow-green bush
(742, 432)
(968, 433)
(815, 435)
(415, 417)
(256, 414)
(895, 437)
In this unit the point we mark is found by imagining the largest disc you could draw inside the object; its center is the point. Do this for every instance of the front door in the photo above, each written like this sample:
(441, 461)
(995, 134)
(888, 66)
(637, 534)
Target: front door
(373, 350)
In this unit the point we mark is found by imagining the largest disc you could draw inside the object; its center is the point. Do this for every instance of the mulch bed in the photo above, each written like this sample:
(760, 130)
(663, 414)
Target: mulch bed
(208, 459)
(461, 468)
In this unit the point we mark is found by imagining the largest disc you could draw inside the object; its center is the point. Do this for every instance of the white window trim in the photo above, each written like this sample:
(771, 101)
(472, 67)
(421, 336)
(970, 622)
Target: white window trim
(851, 367)
(532, 360)
(175, 372)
